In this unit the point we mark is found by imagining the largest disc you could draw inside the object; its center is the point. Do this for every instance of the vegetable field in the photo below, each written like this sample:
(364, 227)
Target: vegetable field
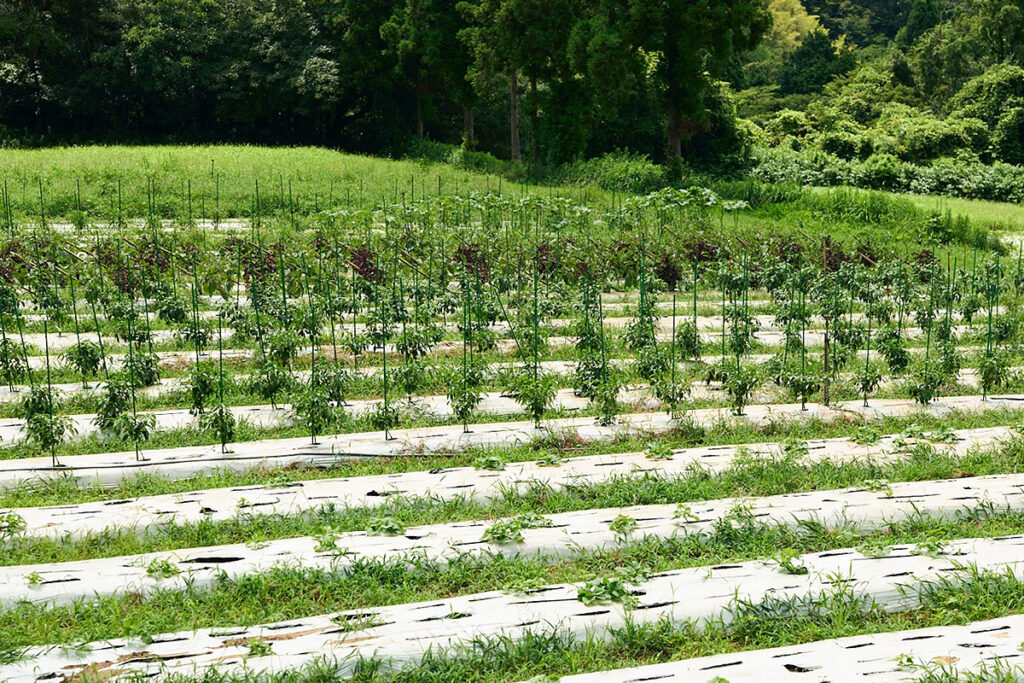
(428, 428)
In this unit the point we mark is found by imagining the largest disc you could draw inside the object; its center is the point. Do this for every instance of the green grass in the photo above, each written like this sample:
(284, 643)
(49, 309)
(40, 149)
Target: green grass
(773, 622)
(57, 491)
(317, 177)
(999, 216)
(320, 178)
(748, 477)
(285, 592)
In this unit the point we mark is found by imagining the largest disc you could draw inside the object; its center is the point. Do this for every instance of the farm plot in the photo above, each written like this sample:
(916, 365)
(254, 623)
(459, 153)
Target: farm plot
(551, 536)
(501, 437)
(988, 648)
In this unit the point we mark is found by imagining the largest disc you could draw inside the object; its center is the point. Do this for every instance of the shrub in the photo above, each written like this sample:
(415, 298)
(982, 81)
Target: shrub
(788, 123)
(958, 177)
(1006, 138)
(879, 171)
(919, 136)
(621, 171)
(460, 157)
(846, 145)
(989, 95)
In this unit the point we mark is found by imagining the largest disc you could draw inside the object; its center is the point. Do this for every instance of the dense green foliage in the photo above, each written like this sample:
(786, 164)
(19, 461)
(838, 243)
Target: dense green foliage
(452, 331)
(300, 186)
(590, 77)
(919, 96)
(923, 96)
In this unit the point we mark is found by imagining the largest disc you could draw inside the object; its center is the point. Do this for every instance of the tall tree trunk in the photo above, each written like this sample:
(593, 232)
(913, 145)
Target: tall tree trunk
(468, 127)
(38, 94)
(513, 116)
(673, 130)
(419, 112)
(674, 126)
(534, 152)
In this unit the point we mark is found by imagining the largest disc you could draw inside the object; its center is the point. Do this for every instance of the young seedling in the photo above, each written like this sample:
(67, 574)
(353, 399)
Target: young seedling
(875, 548)
(685, 512)
(504, 532)
(12, 525)
(551, 459)
(623, 526)
(509, 531)
(313, 409)
(659, 450)
(135, 428)
(866, 436)
(44, 426)
(491, 463)
(789, 563)
(85, 358)
(606, 590)
(385, 526)
(924, 383)
(202, 384)
(384, 417)
(222, 422)
(326, 540)
(740, 383)
(162, 569)
(867, 380)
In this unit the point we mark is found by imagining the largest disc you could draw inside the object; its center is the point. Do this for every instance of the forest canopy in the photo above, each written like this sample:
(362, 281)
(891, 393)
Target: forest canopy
(551, 80)
(811, 90)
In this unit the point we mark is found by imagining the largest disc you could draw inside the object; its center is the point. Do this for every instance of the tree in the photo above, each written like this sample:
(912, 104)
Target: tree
(923, 15)
(979, 35)
(761, 66)
(1008, 137)
(488, 41)
(590, 76)
(47, 77)
(813, 64)
(990, 95)
(863, 22)
(513, 38)
(790, 25)
(367, 111)
(688, 44)
(279, 70)
(165, 52)
(423, 38)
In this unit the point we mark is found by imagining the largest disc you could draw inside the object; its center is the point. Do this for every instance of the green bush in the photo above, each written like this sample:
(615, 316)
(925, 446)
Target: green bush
(879, 172)
(1007, 136)
(460, 157)
(621, 171)
(844, 205)
(757, 194)
(988, 96)
(920, 136)
(1000, 182)
(957, 177)
(846, 145)
(787, 123)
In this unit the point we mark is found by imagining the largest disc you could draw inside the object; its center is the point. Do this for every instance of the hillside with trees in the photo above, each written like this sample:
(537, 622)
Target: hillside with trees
(916, 95)
(923, 96)
(545, 80)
